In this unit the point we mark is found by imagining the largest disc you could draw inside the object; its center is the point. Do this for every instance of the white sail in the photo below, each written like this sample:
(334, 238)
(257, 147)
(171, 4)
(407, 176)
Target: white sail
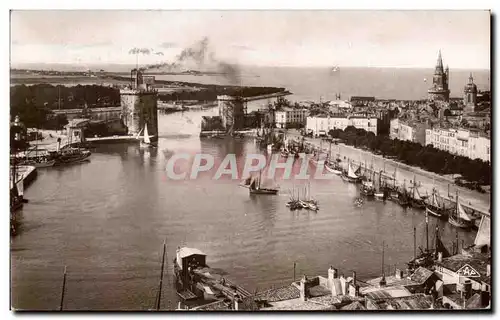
(20, 188)
(350, 173)
(434, 200)
(462, 214)
(146, 135)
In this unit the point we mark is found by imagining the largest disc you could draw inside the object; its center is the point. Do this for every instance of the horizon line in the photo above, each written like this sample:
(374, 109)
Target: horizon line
(12, 65)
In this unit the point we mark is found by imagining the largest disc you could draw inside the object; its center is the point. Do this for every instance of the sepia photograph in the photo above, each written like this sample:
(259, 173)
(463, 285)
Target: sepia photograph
(250, 160)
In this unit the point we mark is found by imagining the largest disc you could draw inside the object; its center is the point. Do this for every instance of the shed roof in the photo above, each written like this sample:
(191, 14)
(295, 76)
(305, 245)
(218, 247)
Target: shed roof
(186, 252)
(421, 275)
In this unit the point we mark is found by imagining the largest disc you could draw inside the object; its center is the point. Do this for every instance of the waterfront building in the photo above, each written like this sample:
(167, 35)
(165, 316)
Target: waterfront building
(75, 130)
(439, 90)
(139, 104)
(463, 142)
(288, 117)
(321, 125)
(410, 130)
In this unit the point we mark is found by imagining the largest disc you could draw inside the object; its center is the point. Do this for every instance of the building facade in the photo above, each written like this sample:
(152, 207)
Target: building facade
(468, 143)
(408, 130)
(291, 118)
(439, 90)
(321, 125)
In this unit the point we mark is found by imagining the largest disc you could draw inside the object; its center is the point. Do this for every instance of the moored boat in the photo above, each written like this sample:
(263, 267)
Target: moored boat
(350, 175)
(459, 218)
(434, 208)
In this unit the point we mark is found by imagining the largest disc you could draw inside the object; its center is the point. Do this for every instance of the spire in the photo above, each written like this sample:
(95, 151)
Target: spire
(471, 80)
(439, 64)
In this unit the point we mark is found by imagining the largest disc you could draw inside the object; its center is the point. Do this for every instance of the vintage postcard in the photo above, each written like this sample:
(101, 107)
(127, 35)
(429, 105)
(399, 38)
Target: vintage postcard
(299, 160)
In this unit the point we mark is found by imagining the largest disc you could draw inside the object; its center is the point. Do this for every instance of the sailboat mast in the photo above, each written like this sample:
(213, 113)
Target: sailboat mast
(260, 176)
(427, 231)
(161, 276)
(414, 243)
(383, 251)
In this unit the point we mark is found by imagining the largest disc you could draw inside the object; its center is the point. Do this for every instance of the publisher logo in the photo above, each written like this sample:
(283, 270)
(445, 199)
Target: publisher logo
(468, 271)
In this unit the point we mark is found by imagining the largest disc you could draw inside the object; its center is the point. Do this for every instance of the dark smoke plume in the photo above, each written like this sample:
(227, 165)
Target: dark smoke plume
(201, 54)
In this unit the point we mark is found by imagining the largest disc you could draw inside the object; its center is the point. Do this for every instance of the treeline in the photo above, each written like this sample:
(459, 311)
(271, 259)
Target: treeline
(53, 97)
(414, 154)
(34, 104)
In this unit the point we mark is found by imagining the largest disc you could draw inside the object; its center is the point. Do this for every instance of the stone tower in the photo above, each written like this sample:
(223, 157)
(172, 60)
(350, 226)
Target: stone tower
(140, 105)
(470, 95)
(439, 90)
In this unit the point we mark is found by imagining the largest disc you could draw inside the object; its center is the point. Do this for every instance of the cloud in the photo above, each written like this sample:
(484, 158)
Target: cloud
(168, 45)
(242, 47)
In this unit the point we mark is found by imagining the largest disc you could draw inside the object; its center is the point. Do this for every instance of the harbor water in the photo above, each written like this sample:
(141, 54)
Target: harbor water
(106, 220)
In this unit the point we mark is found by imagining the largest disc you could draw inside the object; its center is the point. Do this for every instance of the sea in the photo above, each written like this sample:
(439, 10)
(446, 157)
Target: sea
(106, 220)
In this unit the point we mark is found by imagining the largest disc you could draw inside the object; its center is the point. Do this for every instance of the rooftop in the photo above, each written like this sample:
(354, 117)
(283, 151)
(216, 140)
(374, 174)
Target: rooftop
(478, 261)
(414, 302)
(186, 252)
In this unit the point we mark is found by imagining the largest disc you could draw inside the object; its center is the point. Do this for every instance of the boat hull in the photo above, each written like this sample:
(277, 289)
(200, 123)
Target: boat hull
(434, 211)
(264, 191)
(350, 179)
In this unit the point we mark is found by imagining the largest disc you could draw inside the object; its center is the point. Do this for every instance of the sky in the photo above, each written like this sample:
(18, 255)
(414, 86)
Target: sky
(266, 38)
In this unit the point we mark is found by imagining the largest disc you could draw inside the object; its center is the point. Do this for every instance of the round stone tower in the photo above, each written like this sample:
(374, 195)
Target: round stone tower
(140, 105)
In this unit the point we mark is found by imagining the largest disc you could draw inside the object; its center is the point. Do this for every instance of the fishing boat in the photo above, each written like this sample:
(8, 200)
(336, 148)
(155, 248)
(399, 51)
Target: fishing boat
(71, 155)
(367, 188)
(459, 218)
(403, 197)
(146, 141)
(256, 188)
(350, 175)
(416, 201)
(434, 207)
(333, 168)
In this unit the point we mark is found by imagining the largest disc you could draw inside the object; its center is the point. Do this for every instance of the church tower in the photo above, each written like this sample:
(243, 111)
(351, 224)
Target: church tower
(470, 95)
(439, 90)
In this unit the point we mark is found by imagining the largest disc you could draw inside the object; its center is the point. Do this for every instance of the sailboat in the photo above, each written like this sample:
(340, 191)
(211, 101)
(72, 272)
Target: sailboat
(351, 176)
(255, 187)
(146, 142)
(403, 197)
(416, 201)
(459, 218)
(368, 188)
(333, 166)
(434, 208)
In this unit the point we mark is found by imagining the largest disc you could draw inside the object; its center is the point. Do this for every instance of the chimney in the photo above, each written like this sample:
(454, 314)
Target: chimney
(488, 270)
(440, 257)
(303, 288)
(354, 278)
(332, 274)
(236, 302)
(467, 289)
(399, 274)
(485, 295)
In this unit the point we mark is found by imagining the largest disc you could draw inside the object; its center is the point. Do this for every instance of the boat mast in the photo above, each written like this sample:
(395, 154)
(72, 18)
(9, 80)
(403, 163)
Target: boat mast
(414, 243)
(161, 276)
(427, 231)
(260, 177)
(63, 290)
